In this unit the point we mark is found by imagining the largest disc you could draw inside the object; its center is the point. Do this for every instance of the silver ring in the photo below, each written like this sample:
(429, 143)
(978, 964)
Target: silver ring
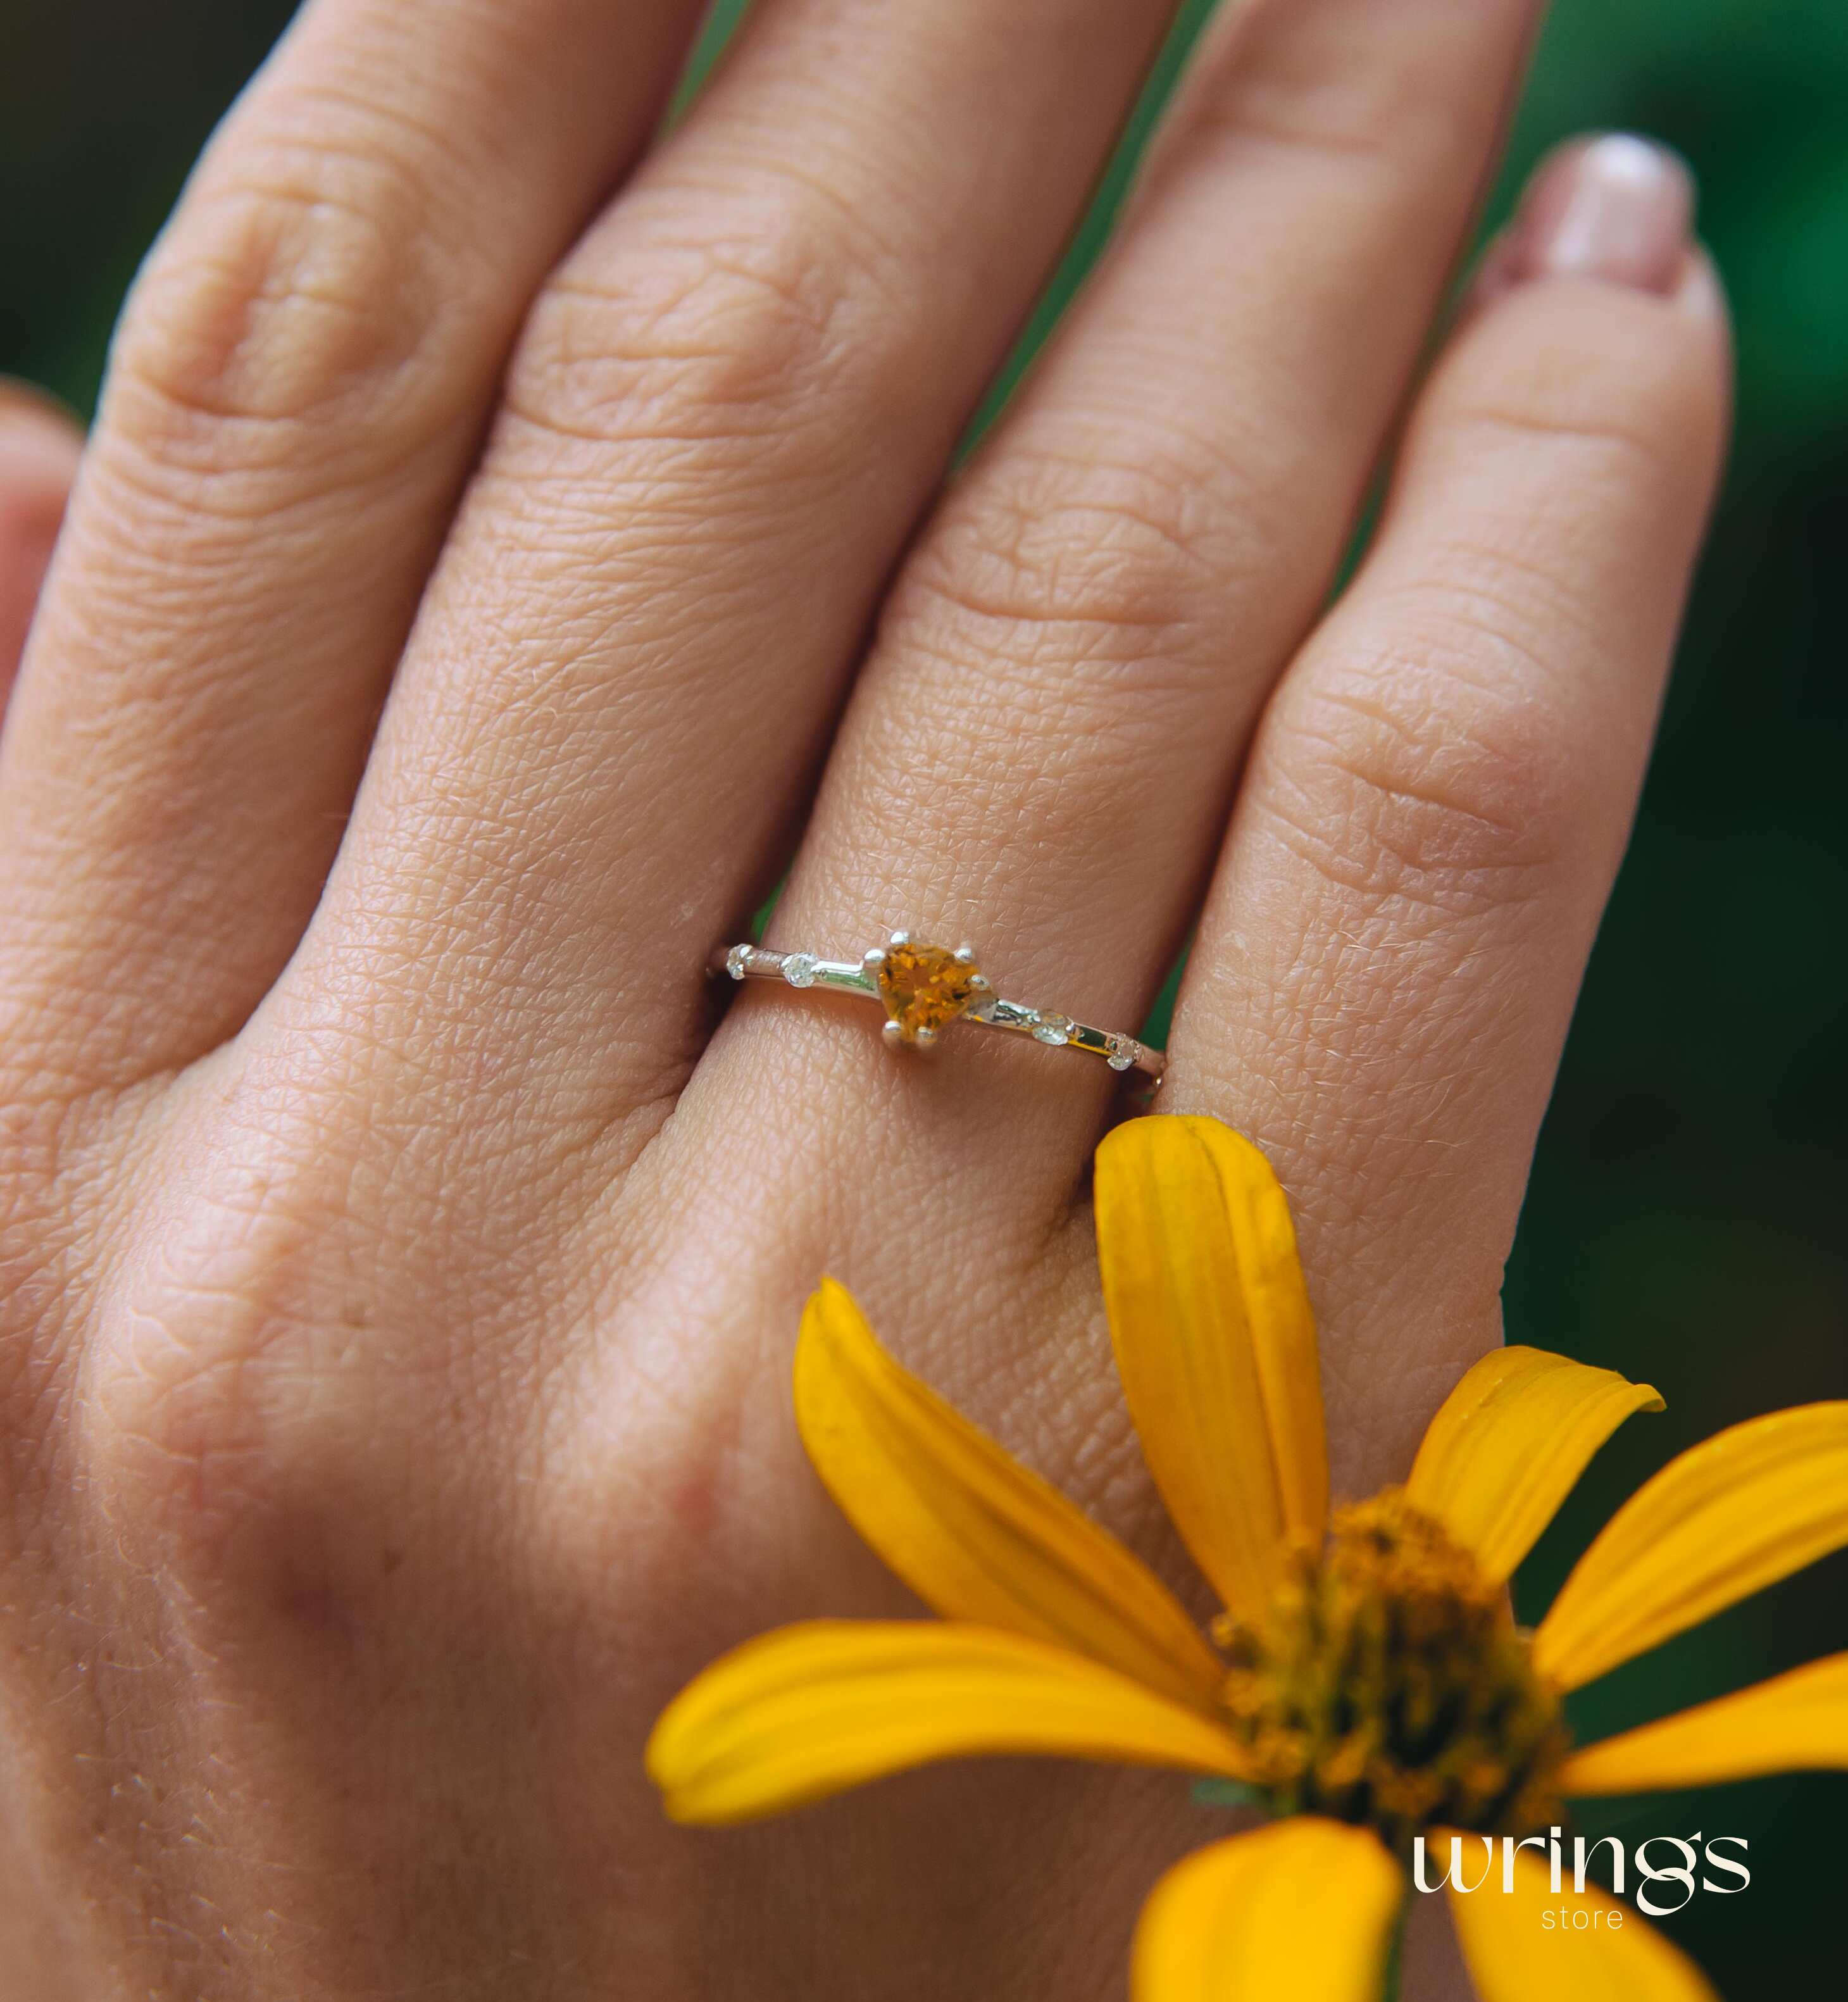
(924, 988)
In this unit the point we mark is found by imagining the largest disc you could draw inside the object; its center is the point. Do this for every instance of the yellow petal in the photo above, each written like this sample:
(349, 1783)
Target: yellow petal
(971, 1531)
(802, 1712)
(1793, 1722)
(1215, 1345)
(1515, 1956)
(1303, 1909)
(1729, 1517)
(1509, 1441)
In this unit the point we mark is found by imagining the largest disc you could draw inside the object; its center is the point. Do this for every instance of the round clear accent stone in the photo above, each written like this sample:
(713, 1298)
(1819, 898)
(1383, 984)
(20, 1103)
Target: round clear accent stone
(1121, 1054)
(1054, 1029)
(736, 960)
(799, 969)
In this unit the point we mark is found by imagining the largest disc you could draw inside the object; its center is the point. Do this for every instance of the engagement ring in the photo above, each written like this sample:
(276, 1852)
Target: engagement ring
(923, 988)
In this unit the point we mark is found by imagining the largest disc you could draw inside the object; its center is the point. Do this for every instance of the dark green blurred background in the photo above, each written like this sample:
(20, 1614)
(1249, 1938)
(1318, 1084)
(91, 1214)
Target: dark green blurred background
(1686, 1222)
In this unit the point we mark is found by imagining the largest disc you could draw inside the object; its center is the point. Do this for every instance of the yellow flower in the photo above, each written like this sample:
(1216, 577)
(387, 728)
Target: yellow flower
(1368, 1683)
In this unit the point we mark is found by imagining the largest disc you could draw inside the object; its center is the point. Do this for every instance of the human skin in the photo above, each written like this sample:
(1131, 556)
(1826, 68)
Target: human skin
(501, 551)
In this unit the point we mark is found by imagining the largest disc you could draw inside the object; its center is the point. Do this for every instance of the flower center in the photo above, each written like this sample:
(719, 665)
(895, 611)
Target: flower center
(1387, 1683)
(924, 986)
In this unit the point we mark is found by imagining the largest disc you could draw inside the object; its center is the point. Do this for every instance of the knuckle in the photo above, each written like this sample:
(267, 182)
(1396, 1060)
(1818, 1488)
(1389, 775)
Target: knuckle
(1611, 444)
(1333, 97)
(1626, 391)
(71, 1150)
(1347, 115)
(717, 327)
(223, 1411)
(301, 281)
(1101, 560)
(1427, 772)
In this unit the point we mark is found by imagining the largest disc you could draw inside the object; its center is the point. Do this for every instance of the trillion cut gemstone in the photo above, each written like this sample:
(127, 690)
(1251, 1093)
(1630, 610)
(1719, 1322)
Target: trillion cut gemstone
(924, 987)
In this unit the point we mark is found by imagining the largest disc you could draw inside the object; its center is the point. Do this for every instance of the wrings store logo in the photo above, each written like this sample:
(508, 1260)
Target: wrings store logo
(1701, 1864)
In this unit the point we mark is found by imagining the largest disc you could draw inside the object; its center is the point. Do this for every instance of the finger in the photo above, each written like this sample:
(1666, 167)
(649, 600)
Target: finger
(297, 389)
(725, 416)
(39, 448)
(1444, 784)
(1039, 756)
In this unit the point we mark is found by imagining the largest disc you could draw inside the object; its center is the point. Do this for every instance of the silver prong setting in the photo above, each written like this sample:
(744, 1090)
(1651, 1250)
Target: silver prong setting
(922, 993)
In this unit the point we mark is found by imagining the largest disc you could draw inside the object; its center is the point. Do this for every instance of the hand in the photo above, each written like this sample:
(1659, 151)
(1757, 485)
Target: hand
(466, 575)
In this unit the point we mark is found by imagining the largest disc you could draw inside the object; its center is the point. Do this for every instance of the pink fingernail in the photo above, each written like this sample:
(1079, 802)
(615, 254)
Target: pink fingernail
(1616, 207)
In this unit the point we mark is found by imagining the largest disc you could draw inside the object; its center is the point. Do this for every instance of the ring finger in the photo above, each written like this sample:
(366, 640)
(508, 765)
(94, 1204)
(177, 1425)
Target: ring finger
(1040, 752)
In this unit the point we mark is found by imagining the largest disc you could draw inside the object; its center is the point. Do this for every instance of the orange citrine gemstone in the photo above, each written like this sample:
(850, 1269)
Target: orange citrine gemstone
(924, 987)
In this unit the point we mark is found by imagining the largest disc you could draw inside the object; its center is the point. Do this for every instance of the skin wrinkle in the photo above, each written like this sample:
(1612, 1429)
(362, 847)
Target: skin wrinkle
(1035, 511)
(1384, 875)
(738, 353)
(1608, 440)
(585, 657)
(1460, 779)
(276, 487)
(1490, 594)
(341, 227)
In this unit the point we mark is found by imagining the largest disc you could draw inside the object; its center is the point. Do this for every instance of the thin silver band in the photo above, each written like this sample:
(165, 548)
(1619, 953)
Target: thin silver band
(805, 970)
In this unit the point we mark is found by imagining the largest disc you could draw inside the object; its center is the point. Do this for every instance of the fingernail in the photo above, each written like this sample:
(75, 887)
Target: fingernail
(1616, 207)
